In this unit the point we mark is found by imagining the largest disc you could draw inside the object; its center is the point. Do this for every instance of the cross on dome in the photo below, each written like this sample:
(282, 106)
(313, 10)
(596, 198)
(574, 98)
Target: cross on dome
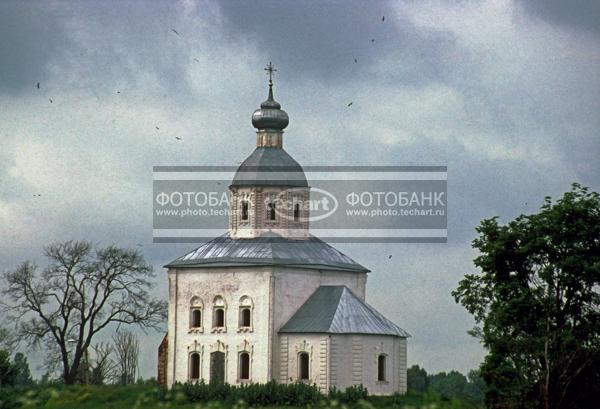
(270, 69)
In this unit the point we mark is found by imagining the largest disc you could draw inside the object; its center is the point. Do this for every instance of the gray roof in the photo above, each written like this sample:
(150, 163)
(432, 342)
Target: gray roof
(268, 250)
(269, 166)
(337, 310)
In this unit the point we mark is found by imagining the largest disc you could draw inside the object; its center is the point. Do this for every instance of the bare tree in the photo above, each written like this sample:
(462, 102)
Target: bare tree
(78, 294)
(102, 365)
(127, 349)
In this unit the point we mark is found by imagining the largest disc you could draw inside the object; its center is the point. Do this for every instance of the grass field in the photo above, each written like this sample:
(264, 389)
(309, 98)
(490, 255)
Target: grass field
(151, 397)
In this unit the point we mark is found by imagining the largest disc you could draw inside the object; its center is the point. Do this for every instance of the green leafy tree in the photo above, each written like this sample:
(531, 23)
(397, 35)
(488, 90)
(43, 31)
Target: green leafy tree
(448, 385)
(476, 387)
(6, 369)
(416, 379)
(22, 374)
(536, 304)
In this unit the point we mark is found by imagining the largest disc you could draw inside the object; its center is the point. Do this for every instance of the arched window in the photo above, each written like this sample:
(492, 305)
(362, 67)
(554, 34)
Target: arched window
(244, 366)
(296, 212)
(271, 211)
(245, 319)
(196, 318)
(196, 312)
(245, 207)
(194, 366)
(219, 317)
(219, 312)
(381, 368)
(303, 366)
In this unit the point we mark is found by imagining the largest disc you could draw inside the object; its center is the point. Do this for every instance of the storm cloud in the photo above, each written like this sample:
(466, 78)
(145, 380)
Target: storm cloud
(506, 94)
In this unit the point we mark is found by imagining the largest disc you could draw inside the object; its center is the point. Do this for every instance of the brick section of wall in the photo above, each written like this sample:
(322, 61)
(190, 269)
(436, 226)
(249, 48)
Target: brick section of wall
(163, 354)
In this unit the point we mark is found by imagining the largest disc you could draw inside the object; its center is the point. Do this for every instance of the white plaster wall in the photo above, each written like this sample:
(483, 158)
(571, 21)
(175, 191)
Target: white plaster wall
(354, 362)
(231, 284)
(291, 289)
(317, 347)
(276, 293)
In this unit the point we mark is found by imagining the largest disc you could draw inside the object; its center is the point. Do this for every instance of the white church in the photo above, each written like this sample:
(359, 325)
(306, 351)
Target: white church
(269, 301)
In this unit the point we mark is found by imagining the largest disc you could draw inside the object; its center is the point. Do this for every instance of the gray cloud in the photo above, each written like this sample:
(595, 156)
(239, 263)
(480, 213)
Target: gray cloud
(510, 105)
(578, 14)
(320, 40)
(31, 38)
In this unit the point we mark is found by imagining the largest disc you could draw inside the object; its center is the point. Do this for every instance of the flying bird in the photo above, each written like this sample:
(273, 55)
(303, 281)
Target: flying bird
(350, 103)
(197, 60)
(118, 92)
(50, 99)
(372, 40)
(178, 138)
(175, 31)
(38, 195)
(389, 257)
(38, 85)
(382, 19)
(356, 60)
(157, 127)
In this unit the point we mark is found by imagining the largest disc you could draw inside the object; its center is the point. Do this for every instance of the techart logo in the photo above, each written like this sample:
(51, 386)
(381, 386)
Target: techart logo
(291, 205)
(383, 204)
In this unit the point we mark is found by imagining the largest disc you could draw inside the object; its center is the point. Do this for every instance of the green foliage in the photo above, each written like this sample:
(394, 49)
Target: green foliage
(447, 386)
(417, 379)
(536, 304)
(151, 396)
(352, 394)
(22, 374)
(270, 393)
(6, 369)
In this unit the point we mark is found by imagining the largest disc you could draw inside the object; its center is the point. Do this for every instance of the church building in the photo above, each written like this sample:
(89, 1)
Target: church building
(268, 300)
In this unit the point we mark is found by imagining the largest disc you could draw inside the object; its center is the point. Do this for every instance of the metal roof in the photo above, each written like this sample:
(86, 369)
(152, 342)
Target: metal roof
(268, 250)
(337, 310)
(270, 166)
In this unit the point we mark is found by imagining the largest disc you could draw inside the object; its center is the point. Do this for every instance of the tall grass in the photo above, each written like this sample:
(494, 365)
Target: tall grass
(211, 396)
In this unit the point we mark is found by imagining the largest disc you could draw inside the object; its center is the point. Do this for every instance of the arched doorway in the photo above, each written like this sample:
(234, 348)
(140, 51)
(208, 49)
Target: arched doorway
(217, 367)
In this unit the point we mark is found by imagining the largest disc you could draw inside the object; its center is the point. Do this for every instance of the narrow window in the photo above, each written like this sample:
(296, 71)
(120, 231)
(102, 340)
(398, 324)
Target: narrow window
(271, 211)
(296, 212)
(244, 210)
(303, 366)
(194, 366)
(244, 366)
(196, 319)
(381, 368)
(245, 317)
(219, 317)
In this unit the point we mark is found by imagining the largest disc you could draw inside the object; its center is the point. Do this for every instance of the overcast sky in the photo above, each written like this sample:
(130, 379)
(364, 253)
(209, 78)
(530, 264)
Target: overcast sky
(505, 93)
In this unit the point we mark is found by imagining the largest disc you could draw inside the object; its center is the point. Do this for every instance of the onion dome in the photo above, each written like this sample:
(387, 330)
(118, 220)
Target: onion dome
(270, 116)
